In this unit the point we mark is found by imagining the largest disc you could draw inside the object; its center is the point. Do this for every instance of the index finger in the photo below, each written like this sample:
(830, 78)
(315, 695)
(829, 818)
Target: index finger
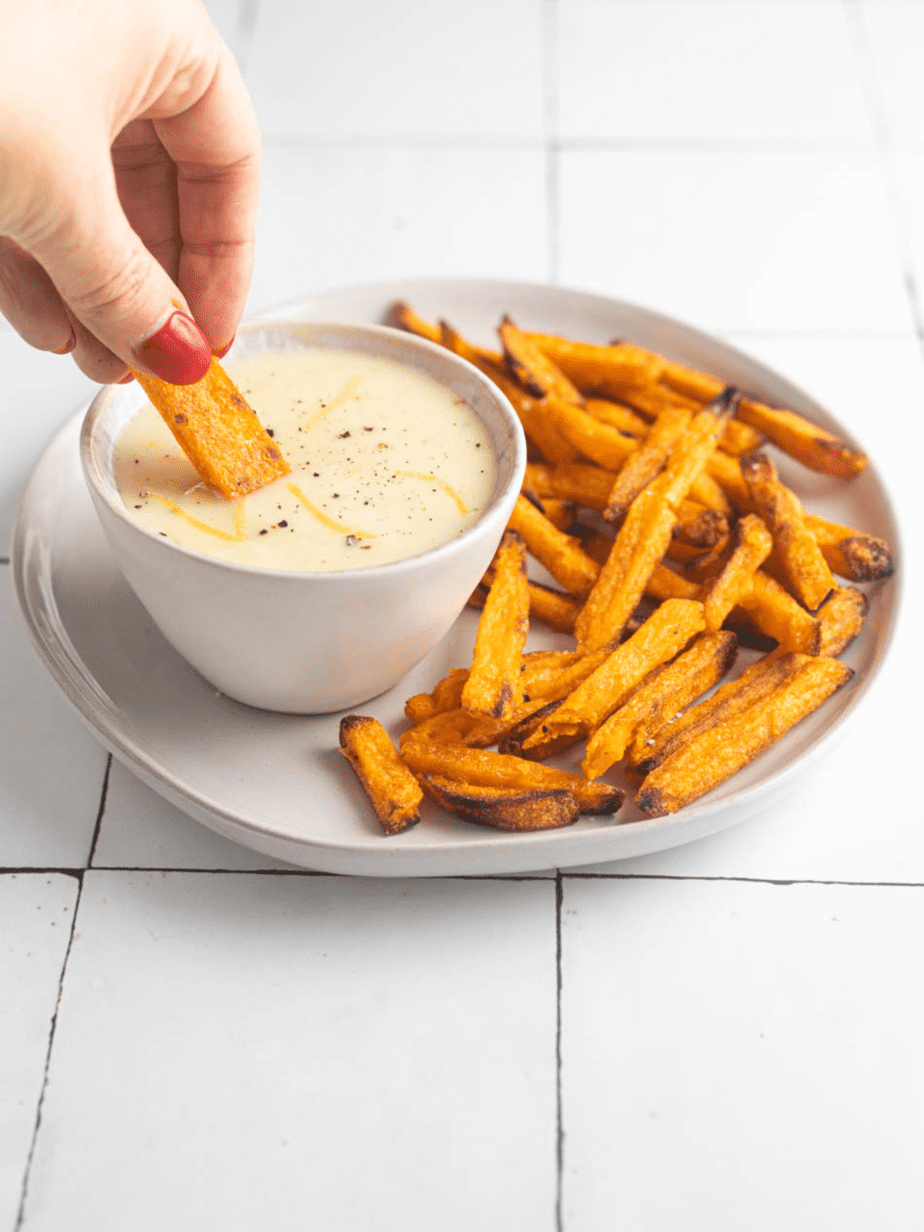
(216, 147)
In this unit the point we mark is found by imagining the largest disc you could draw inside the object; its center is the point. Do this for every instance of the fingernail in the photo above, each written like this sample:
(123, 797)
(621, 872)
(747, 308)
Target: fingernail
(125, 379)
(68, 346)
(178, 352)
(221, 352)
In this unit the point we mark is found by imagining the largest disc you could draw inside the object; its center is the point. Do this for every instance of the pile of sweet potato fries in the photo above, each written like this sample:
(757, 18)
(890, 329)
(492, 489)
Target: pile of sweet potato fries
(648, 498)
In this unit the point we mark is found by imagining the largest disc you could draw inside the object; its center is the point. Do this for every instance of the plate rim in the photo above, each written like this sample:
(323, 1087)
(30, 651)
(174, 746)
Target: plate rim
(430, 859)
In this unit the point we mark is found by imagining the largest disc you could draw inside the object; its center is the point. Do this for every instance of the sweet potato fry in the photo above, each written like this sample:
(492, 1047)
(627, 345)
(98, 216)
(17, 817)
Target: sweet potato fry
(561, 513)
(690, 454)
(740, 438)
(504, 808)
(393, 791)
(488, 361)
(776, 613)
(811, 445)
(755, 682)
(557, 610)
(560, 554)
(607, 446)
(718, 753)
(514, 741)
(586, 485)
(752, 545)
(445, 695)
(218, 431)
(492, 685)
(402, 316)
(799, 553)
(538, 374)
(841, 618)
(639, 547)
(702, 528)
(482, 767)
(460, 726)
(801, 439)
(618, 416)
(663, 694)
(647, 461)
(539, 429)
(664, 583)
(556, 685)
(604, 370)
(659, 639)
(594, 541)
(708, 491)
(850, 553)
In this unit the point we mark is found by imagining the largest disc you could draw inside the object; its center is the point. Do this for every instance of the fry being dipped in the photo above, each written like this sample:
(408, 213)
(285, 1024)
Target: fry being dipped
(218, 431)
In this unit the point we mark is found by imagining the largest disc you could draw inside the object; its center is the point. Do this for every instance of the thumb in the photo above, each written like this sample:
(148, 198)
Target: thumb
(112, 286)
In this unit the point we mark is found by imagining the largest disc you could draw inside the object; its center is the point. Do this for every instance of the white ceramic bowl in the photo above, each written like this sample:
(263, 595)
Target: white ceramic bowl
(307, 643)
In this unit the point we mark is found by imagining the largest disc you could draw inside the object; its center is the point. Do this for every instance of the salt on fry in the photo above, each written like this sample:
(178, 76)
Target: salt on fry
(662, 695)
(393, 791)
(218, 431)
(515, 740)
(755, 682)
(718, 753)
(659, 639)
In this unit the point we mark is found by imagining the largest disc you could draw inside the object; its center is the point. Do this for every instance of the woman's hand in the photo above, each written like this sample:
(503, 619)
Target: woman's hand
(129, 178)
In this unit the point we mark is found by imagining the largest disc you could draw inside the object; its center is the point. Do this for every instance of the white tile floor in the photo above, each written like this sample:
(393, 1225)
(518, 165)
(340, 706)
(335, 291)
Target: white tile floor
(193, 1036)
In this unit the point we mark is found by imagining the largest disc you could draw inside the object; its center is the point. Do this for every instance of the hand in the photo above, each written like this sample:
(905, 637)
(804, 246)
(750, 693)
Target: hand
(129, 178)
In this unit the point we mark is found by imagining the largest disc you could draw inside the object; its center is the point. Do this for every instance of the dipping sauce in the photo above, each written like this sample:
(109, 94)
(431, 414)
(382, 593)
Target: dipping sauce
(386, 464)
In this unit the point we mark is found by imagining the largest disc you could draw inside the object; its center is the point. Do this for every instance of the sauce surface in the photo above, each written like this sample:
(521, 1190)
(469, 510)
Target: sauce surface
(386, 464)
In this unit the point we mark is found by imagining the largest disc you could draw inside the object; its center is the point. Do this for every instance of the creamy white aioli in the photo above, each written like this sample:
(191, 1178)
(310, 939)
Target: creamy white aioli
(386, 463)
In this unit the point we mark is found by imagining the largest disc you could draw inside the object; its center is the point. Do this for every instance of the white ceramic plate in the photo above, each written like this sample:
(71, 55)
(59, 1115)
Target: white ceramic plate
(276, 783)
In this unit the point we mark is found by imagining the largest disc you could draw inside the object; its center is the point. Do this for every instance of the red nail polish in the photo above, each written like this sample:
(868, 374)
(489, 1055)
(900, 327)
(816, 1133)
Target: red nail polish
(178, 352)
(125, 379)
(223, 351)
(68, 346)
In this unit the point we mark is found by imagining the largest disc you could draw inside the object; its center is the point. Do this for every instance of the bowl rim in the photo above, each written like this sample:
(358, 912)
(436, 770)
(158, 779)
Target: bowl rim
(95, 474)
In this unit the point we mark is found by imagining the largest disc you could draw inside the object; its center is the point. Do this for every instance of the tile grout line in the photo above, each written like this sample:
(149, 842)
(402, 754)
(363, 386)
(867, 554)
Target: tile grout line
(24, 1192)
(48, 870)
(869, 80)
(559, 1111)
(550, 144)
(100, 812)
